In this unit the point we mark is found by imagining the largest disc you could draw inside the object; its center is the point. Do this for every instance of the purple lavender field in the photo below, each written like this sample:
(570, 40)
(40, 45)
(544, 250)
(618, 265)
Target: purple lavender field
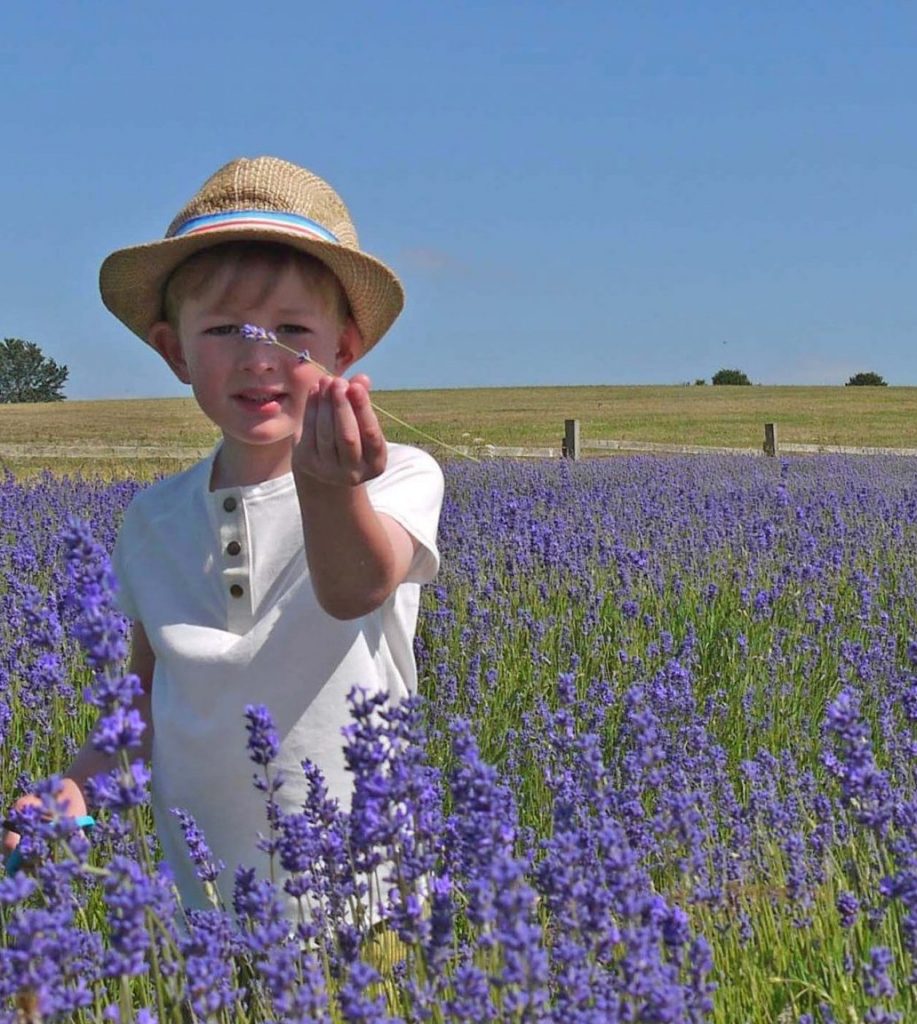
(662, 768)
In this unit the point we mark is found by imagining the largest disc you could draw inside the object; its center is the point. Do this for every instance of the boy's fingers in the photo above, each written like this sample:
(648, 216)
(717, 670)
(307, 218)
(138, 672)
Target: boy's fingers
(309, 420)
(358, 394)
(341, 433)
(324, 426)
(346, 429)
(373, 440)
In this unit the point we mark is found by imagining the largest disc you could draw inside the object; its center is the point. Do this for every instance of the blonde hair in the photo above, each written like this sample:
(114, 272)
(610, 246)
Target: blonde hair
(239, 259)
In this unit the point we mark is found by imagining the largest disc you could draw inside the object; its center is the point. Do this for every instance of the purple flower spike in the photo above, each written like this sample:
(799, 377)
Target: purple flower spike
(263, 741)
(303, 356)
(252, 332)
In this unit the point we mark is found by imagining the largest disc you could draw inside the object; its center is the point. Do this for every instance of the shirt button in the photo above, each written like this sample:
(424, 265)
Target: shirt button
(233, 547)
(229, 504)
(236, 590)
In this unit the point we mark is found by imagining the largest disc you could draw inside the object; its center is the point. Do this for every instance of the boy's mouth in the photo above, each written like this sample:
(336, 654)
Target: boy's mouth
(257, 398)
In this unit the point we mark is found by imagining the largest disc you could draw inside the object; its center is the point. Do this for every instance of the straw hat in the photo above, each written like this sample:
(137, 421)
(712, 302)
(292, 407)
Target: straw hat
(262, 199)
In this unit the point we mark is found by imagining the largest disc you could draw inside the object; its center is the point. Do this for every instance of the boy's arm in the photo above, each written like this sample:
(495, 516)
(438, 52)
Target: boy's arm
(356, 555)
(89, 762)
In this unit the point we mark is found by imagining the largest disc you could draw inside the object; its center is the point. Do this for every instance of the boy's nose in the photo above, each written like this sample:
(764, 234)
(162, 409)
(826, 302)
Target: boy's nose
(257, 355)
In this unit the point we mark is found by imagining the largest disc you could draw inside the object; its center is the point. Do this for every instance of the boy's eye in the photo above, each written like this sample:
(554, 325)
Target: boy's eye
(292, 329)
(223, 329)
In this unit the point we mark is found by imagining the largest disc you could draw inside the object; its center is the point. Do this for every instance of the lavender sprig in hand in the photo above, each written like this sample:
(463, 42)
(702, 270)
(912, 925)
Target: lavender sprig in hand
(252, 332)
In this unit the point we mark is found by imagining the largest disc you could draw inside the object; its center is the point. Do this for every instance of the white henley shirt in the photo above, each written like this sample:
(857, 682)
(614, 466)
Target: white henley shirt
(219, 582)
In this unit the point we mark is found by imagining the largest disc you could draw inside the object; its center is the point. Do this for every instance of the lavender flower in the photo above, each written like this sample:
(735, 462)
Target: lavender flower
(206, 868)
(263, 741)
(210, 948)
(848, 907)
(100, 630)
(252, 332)
(876, 981)
(863, 786)
(356, 1006)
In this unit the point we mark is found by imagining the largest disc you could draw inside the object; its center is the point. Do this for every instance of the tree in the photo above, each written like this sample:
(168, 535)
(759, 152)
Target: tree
(869, 380)
(729, 377)
(28, 375)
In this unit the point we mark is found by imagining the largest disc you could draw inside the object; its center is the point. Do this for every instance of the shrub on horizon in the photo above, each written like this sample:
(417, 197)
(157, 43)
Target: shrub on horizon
(730, 377)
(868, 379)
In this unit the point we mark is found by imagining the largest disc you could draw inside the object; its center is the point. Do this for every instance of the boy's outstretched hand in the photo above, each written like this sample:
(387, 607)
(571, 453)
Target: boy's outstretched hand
(356, 556)
(342, 442)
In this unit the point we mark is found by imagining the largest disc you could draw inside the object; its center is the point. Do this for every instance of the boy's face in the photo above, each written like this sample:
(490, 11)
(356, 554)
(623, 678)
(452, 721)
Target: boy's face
(254, 392)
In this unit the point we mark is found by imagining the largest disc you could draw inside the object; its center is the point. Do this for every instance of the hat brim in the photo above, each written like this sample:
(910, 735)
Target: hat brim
(132, 280)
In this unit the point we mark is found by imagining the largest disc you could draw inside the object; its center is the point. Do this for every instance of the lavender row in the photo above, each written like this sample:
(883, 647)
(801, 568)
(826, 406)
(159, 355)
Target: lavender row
(661, 768)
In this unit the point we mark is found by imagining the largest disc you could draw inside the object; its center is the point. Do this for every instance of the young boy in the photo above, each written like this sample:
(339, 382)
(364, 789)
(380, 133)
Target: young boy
(285, 568)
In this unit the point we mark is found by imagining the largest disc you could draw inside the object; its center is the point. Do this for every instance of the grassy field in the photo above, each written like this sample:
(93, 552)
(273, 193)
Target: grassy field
(727, 416)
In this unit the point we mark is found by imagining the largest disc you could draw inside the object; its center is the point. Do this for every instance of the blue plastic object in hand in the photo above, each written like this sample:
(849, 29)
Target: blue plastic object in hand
(14, 861)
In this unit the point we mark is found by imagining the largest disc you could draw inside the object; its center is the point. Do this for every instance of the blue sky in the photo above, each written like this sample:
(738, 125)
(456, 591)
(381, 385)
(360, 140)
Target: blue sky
(573, 193)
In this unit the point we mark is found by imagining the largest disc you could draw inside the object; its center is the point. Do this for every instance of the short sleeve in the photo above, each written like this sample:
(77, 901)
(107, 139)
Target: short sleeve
(410, 491)
(124, 597)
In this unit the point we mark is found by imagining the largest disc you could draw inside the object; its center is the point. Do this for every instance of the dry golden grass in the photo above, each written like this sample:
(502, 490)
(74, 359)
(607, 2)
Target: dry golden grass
(169, 422)
(728, 416)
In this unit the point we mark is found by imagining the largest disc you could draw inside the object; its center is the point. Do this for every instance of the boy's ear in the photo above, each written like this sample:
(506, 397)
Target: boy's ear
(350, 346)
(164, 339)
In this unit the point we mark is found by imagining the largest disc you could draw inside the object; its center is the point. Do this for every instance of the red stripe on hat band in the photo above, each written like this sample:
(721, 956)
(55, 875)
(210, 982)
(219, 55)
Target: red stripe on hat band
(253, 222)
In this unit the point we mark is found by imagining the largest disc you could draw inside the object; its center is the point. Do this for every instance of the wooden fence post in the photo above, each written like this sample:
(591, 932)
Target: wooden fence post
(570, 447)
(770, 439)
